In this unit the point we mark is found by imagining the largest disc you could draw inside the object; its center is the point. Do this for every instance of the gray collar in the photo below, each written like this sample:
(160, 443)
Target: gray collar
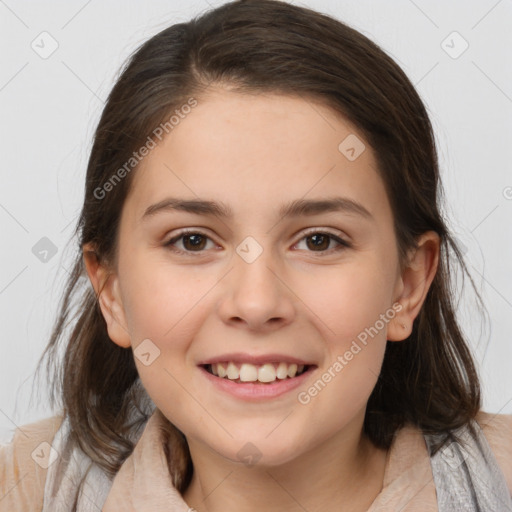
(466, 474)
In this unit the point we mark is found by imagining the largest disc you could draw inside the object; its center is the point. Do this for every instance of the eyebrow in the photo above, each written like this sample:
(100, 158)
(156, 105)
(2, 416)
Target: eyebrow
(298, 207)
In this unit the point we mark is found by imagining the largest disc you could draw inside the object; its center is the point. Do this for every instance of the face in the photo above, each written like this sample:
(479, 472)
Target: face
(253, 284)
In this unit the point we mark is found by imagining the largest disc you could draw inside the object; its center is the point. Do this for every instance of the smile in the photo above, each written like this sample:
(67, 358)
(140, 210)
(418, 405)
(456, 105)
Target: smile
(264, 373)
(277, 379)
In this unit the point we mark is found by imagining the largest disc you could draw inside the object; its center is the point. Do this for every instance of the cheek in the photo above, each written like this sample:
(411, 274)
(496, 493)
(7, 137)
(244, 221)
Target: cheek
(353, 307)
(162, 299)
(349, 300)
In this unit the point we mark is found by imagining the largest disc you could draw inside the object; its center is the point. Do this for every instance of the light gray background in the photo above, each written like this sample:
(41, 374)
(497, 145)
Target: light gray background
(49, 109)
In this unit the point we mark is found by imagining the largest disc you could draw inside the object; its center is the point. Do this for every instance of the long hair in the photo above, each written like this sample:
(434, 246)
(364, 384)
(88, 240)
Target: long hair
(429, 379)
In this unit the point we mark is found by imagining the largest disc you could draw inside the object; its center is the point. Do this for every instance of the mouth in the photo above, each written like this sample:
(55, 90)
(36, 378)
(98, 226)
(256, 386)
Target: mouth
(265, 374)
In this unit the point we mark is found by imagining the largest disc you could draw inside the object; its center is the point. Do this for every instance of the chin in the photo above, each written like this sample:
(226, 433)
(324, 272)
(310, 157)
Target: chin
(258, 451)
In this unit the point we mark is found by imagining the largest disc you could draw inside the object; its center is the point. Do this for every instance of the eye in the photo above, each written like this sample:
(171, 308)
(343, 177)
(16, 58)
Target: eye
(320, 241)
(192, 242)
(197, 242)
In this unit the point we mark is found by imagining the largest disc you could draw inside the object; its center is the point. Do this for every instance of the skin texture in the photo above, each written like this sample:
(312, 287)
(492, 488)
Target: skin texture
(254, 153)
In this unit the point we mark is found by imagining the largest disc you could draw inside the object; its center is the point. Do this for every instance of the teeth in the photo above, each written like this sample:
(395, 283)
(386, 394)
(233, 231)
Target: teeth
(265, 373)
(292, 370)
(248, 373)
(282, 371)
(232, 372)
(221, 370)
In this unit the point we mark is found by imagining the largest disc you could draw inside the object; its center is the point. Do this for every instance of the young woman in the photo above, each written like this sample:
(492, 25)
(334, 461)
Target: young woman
(261, 304)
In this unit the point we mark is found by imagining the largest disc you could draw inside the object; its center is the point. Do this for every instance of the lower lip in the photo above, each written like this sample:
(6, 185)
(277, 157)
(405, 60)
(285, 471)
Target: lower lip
(256, 391)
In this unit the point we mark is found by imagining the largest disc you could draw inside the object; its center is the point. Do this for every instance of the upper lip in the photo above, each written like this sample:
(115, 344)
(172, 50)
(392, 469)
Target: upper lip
(240, 358)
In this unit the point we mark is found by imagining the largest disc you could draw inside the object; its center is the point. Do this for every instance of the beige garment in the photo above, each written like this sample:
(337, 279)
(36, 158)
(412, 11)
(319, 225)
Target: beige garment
(22, 479)
(143, 483)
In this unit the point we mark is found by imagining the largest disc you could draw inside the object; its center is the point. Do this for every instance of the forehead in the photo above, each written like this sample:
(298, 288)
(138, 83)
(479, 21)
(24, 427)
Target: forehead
(259, 147)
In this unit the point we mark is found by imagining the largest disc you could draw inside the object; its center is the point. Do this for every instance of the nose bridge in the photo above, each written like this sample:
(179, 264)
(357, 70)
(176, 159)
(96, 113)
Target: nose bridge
(255, 292)
(253, 263)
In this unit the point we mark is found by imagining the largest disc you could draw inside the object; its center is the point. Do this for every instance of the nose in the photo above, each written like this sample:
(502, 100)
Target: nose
(256, 296)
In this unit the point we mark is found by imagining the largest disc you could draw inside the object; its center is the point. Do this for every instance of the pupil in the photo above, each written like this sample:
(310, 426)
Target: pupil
(197, 238)
(318, 244)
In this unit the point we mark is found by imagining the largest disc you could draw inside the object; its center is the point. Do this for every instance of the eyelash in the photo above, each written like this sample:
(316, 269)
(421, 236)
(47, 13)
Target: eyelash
(343, 244)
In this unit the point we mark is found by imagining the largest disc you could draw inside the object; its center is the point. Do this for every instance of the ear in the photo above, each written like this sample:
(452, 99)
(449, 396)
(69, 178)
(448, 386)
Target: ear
(106, 286)
(414, 283)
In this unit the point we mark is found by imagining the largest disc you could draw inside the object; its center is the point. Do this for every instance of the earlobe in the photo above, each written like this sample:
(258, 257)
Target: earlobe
(414, 284)
(106, 288)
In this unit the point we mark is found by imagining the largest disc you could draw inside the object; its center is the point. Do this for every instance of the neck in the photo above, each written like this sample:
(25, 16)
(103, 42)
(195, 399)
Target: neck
(344, 473)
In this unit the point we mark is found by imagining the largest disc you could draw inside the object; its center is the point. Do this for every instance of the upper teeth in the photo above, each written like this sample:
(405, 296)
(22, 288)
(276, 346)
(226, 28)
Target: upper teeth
(247, 372)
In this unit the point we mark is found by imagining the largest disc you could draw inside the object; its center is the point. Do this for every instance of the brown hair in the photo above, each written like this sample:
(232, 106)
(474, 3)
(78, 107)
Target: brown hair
(265, 45)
